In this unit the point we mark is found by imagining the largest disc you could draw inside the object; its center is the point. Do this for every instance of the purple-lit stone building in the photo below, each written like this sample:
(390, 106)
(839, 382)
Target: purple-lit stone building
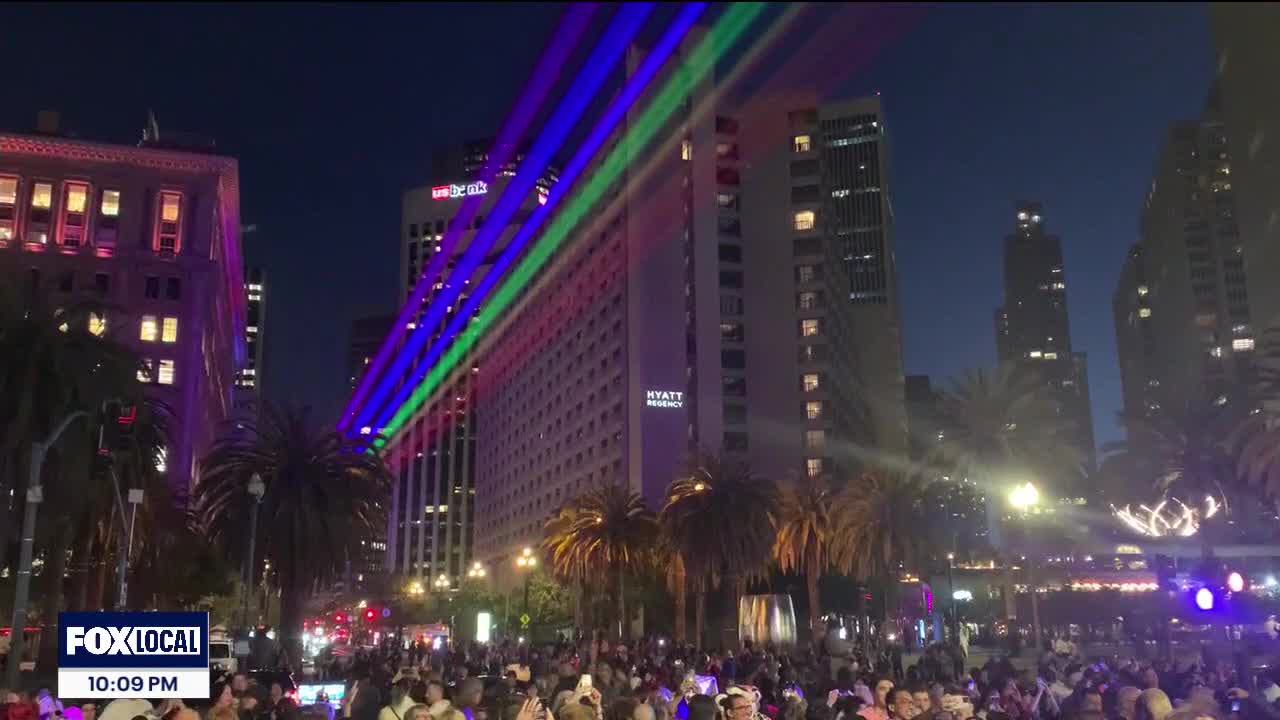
(154, 233)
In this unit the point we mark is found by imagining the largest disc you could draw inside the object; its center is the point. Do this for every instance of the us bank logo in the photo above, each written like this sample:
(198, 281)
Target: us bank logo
(133, 654)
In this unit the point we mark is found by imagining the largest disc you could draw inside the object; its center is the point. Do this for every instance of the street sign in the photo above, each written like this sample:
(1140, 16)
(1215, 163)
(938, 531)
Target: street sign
(524, 620)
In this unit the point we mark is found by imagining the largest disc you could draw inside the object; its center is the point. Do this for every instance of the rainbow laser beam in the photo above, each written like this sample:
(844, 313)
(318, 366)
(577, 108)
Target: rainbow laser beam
(609, 120)
(569, 32)
(722, 36)
(626, 23)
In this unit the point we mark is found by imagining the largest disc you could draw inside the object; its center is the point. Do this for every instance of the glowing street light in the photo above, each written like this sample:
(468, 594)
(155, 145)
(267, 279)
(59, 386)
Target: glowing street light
(526, 559)
(442, 582)
(1024, 496)
(415, 588)
(476, 571)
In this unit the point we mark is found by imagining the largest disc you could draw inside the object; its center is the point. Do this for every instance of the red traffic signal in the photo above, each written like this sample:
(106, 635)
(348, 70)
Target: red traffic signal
(339, 617)
(369, 614)
(128, 414)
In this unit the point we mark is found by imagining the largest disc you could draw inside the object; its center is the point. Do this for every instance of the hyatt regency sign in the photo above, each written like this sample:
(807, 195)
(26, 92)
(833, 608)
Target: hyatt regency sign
(664, 398)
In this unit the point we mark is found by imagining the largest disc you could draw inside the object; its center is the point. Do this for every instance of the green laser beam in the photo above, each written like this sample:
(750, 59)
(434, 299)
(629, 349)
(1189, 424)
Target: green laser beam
(717, 42)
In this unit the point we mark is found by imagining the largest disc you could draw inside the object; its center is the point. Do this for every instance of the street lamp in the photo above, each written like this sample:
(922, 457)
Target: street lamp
(257, 489)
(442, 582)
(951, 588)
(1023, 498)
(415, 588)
(22, 588)
(525, 563)
(476, 571)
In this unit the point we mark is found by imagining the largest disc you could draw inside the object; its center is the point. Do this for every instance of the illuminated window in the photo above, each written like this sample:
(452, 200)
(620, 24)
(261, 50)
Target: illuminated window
(147, 329)
(1242, 344)
(8, 207)
(169, 223)
(110, 203)
(38, 221)
(1215, 351)
(813, 467)
(807, 300)
(162, 459)
(1051, 356)
(811, 382)
(146, 370)
(809, 327)
(806, 273)
(42, 196)
(803, 220)
(686, 150)
(165, 376)
(169, 330)
(801, 143)
(813, 410)
(1144, 312)
(815, 439)
(74, 204)
(1143, 290)
(97, 324)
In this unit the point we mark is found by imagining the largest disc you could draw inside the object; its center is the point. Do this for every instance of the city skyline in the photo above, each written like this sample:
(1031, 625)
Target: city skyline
(945, 219)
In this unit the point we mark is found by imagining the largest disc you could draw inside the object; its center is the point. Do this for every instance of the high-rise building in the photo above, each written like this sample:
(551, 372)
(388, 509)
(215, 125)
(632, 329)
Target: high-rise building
(255, 293)
(1182, 308)
(1135, 341)
(669, 321)
(363, 340)
(431, 525)
(1032, 329)
(1248, 61)
(153, 232)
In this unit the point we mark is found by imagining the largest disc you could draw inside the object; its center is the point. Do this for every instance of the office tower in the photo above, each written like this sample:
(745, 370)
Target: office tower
(363, 340)
(255, 290)
(431, 523)
(1183, 321)
(703, 304)
(1135, 342)
(1032, 329)
(1248, 61)
(954, 505)
(153, 233)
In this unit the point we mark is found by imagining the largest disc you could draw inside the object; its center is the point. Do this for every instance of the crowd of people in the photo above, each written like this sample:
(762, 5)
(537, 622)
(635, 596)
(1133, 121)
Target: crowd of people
(656, 680)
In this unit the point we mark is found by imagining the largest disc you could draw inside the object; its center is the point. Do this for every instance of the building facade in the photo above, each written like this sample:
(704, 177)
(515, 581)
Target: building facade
(1248, 60)
(704, 304)
(1032, 328)
(1182, 306)
(255, 294)
(154, 234)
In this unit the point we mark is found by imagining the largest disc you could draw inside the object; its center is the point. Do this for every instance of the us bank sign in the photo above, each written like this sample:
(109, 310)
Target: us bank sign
(664, 398)
(445, 192)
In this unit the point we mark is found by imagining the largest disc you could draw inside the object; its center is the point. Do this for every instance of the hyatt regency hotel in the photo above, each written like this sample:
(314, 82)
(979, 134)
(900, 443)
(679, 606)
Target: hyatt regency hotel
(735, 292)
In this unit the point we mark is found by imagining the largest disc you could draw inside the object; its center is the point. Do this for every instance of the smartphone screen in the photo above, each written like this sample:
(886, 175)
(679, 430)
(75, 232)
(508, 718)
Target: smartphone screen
(584, 682)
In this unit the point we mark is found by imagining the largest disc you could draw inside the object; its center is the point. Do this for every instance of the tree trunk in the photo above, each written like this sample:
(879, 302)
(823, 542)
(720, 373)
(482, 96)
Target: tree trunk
(624, 629)
(811, 586)
(682, 619)
(82, 587)
(699, 616)
(292, 601)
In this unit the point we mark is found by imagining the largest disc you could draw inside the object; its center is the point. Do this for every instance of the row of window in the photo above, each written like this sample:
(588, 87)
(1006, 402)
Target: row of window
(152, 328)
(153, 371)
(70, 226)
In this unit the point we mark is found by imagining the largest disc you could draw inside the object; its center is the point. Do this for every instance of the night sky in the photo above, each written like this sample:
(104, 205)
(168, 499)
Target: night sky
(333, 112)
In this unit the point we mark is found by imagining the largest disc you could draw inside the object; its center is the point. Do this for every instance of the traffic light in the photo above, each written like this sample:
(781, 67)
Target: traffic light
(339, 618)
(369, 615)
(118, 422)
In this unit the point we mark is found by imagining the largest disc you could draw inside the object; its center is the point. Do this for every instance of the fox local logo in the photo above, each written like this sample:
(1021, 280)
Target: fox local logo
(139, 640)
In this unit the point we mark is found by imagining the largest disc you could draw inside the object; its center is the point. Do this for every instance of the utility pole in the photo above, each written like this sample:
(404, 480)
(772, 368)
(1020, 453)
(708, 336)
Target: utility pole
(22, 592)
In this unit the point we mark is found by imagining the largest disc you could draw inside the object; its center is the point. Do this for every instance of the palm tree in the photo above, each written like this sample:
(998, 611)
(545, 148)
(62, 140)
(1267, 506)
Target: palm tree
(324, 495)
(606, 531)
(884, 529)
(809, 523)
(718, 518)
(996, 420)
(1186, 446)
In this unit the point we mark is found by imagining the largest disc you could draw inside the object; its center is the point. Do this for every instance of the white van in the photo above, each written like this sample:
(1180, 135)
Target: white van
(221, 657)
